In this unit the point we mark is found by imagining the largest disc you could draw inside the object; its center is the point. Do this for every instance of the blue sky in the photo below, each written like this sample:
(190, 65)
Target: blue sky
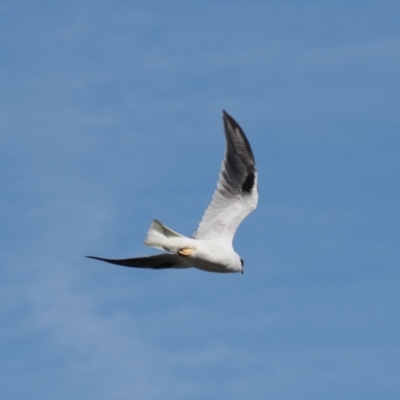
(110, 116)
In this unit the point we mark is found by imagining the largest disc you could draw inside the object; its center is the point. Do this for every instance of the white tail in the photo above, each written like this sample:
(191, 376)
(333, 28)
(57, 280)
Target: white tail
(158, 235)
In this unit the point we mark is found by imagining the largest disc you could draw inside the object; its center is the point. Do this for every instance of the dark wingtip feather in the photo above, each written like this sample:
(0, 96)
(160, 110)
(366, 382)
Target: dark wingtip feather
(161, 261)
(106, 260)
(230, 123)
(96, 258)
(124, 262)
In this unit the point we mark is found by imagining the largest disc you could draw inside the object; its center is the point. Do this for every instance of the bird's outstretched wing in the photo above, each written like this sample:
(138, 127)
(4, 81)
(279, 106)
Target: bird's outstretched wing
(236, 195)
(159, 261)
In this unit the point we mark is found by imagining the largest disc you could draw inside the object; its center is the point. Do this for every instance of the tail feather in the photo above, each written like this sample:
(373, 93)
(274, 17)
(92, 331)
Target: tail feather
(158, 235)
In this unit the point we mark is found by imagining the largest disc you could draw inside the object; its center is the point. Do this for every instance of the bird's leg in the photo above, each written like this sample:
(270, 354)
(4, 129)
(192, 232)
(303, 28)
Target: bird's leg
(185, 251)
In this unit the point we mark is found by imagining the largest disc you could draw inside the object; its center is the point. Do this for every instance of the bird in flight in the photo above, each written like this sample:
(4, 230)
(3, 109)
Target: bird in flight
(210, 248)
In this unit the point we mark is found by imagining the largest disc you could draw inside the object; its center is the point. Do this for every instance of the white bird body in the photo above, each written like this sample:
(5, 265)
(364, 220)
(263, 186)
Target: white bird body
(208, 255)
(211, 247)
(214, 257)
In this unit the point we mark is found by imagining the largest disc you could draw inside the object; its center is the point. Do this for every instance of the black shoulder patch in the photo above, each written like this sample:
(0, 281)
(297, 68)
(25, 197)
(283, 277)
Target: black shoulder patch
(248, 183)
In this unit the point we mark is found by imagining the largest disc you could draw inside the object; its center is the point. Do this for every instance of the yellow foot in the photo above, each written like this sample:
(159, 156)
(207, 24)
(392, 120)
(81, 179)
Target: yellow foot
(185, 251)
